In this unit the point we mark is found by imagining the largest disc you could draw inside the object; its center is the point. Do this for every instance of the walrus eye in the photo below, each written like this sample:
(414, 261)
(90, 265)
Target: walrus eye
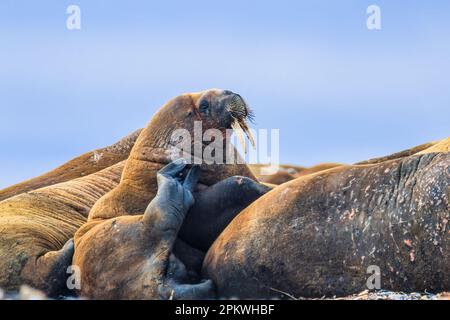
(204, 107)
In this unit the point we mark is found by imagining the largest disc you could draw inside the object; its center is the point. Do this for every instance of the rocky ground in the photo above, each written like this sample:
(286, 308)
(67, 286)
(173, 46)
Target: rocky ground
(389, 295)
(27, 293)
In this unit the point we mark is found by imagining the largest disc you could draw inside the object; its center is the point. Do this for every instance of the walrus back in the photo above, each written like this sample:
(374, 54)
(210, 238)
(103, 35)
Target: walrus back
(80, 166)
(43, 220)
(393, 215)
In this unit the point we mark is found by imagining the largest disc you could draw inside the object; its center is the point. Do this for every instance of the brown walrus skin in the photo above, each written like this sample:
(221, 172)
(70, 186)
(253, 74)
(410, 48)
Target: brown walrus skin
(80, 166)
(440, 146)
(317, 235)
(34, 226)
(435, 146)
(285, 173)
(289, 172)
(117, 225)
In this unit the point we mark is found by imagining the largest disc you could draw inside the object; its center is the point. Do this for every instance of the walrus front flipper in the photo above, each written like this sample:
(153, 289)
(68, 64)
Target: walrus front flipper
(166, 214)
(48, 272)
(131, 257)
(215, 207)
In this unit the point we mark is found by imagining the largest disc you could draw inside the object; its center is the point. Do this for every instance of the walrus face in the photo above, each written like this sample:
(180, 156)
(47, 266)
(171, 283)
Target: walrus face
(213, 109)
(223, 109)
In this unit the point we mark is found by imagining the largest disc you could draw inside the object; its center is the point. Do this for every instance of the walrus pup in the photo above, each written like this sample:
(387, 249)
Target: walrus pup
(34, 226)
(318, 235)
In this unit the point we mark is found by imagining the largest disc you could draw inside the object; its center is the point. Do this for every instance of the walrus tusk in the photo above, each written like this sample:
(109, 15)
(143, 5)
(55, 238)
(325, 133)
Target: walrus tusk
(241, 127)
(248, 133)
(240, 135)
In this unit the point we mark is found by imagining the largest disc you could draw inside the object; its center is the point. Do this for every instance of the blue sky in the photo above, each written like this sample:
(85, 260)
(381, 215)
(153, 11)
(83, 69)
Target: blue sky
(337, 91)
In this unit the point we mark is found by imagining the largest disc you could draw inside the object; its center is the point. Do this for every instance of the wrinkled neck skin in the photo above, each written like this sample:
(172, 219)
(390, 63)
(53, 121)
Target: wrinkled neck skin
(155, 146)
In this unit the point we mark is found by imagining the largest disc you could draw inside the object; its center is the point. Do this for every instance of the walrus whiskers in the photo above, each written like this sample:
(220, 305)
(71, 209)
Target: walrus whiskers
(240, 112)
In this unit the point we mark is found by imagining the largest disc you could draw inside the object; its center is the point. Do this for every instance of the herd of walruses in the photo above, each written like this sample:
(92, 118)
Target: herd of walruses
(140, 225)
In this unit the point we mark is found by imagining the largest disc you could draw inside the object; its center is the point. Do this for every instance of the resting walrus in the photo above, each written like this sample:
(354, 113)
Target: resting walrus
(38, 216)
(288, 172)
(317, 235)
(117, 224)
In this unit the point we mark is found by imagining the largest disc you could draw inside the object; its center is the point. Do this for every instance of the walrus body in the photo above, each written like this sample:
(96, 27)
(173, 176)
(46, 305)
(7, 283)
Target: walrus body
(440, 146)
(317, 235)
(34, 226)
(429, 147)
(287, 173)
(80, 166)
(124, 241)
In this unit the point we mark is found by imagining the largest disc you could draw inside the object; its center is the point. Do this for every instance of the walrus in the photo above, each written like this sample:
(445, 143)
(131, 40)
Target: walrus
(290, 172)
(125, 206)
(80, 166)
(317, 168)
(152, 149)
(36, 228)
(287, 172)
(318, 235)
(442, 145)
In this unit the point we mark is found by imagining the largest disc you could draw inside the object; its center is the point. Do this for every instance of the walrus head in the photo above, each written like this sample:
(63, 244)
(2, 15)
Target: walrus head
(214, 109)
(224, 109)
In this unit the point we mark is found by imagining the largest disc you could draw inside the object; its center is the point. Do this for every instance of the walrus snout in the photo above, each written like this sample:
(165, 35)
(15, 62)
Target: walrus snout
(235, 106)
(227, 110)
(238, 113)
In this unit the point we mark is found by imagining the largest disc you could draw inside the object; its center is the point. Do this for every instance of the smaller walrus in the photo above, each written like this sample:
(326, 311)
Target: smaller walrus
(320, 235)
